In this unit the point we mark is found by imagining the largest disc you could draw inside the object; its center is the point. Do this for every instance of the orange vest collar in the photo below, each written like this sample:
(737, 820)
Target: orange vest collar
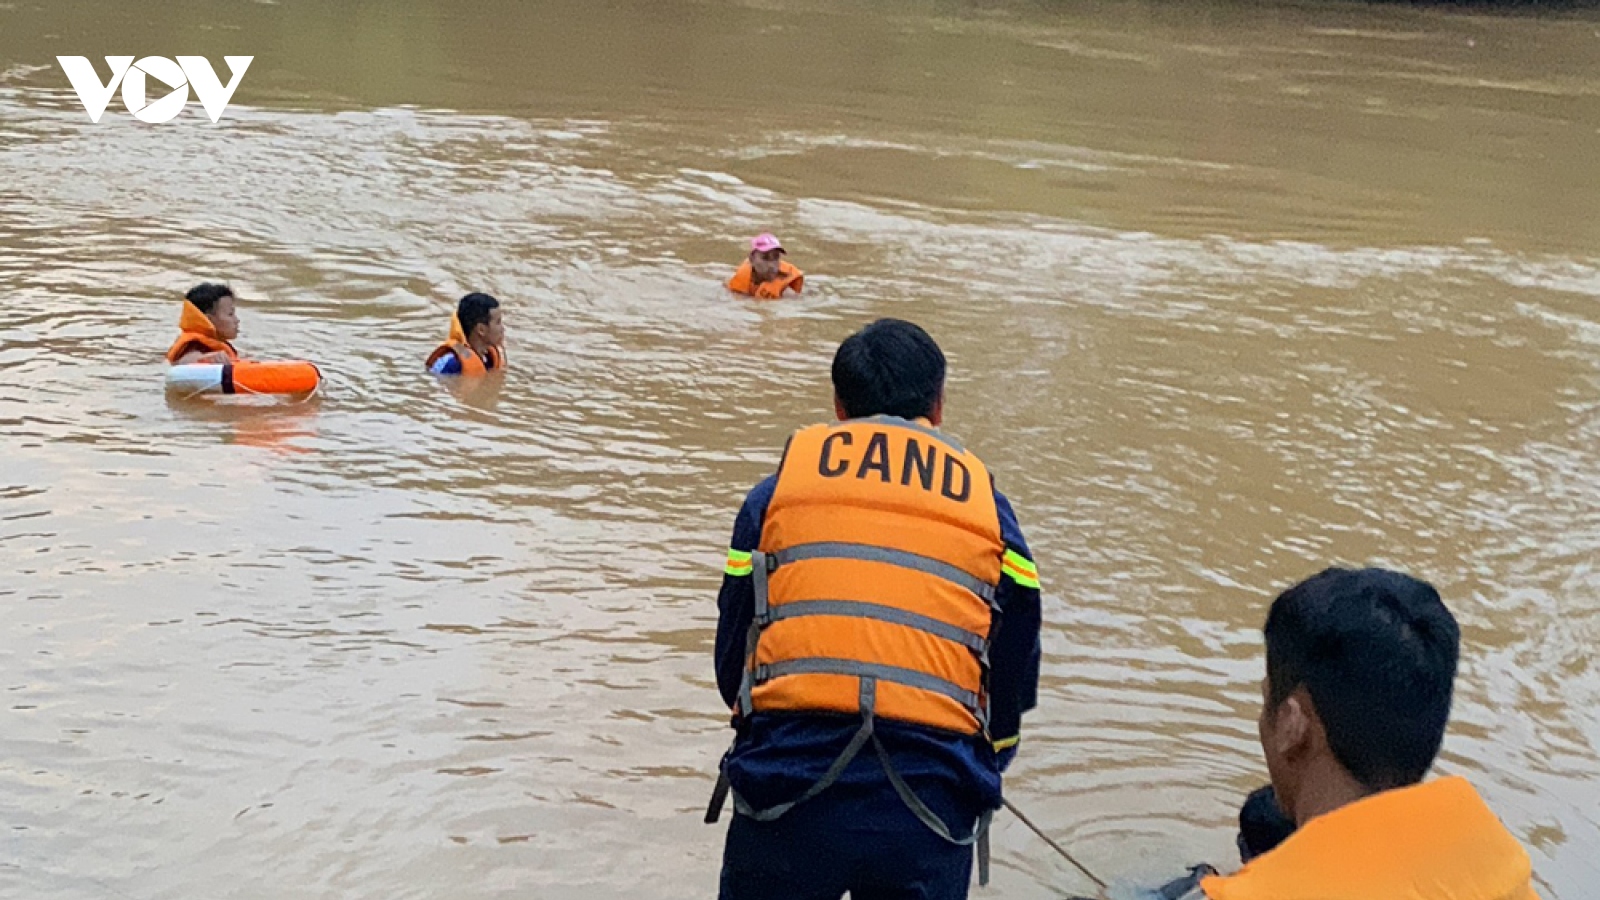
(458, 335)
(196, 322)
(1431, 841)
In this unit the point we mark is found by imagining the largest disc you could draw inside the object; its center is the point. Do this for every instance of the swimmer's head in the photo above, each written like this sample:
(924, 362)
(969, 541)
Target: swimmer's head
(766, 257)
(479, 315)
(216, 301)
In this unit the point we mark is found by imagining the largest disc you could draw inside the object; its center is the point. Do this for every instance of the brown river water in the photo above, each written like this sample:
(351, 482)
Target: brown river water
(1231, 291)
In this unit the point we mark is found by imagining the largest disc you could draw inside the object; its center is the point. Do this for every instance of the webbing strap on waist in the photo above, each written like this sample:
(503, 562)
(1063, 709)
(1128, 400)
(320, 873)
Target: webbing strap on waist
(871, 672)
(902, 558)
(840, 763)
(719, 796)
(859, 609)
(863, 735)
(980, 831)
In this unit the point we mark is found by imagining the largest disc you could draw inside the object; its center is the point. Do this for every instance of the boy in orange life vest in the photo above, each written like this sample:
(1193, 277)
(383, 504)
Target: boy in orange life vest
(206, 325)
(1360, 671)
(477, 336)
(866, 583)
(765, 274)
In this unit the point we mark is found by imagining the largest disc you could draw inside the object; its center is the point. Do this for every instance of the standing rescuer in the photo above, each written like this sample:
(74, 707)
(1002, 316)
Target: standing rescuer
(878, 642)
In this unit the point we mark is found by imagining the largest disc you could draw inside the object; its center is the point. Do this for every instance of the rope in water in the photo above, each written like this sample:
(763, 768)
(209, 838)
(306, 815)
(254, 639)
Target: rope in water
(1054, 846)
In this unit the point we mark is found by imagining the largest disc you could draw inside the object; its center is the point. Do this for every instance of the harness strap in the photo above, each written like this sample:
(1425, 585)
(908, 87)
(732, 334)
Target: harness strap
(863, 735)
(983, 847)
(835, 771)
(719, 796)
(980, 831)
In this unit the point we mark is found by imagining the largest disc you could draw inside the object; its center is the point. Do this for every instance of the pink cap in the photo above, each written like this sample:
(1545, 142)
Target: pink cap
(765, 242)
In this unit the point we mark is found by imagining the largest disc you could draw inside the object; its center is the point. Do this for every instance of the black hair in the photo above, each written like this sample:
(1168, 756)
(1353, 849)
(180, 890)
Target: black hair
(1263, 824)
(473, 309)
(204, 296)
(1377, 652)
(889, 368)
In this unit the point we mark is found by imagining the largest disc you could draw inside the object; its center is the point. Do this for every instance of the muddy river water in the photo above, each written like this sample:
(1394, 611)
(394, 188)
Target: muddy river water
(1230, 292)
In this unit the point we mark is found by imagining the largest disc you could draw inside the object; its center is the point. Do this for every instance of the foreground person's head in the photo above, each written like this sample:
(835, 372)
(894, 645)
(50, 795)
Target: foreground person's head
(889, 368)
(1360, 669)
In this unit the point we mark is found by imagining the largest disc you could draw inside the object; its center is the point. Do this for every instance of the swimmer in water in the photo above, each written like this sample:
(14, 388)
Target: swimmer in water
(765, 275)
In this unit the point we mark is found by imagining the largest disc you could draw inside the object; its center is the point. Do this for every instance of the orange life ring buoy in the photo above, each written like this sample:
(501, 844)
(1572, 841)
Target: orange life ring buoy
(246, 377)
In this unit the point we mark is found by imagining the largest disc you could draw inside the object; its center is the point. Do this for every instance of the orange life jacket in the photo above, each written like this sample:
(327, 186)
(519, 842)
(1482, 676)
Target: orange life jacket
(878, 562)
(1431, 841)
(471, 362)
(743, 281)
(196, 330)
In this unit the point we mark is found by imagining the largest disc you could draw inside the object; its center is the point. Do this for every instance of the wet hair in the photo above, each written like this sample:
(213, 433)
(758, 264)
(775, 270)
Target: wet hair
(1377, 652)
(889, 368)
(473, 310)
(204, 296)
(1263, 824)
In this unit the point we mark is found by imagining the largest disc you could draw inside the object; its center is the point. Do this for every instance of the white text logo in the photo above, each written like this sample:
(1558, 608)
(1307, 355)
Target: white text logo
(187, 72)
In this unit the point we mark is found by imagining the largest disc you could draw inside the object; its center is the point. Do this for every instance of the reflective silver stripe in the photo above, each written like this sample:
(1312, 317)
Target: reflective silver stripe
(817, 665)
(879, 612)
(901, 558)
(934, 433)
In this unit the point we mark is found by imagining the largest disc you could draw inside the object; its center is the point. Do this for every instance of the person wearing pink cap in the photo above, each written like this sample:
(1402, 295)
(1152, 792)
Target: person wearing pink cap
(766, 274)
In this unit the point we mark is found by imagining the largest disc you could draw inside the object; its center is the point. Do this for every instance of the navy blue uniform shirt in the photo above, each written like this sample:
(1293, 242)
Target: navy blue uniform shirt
(777, 756)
